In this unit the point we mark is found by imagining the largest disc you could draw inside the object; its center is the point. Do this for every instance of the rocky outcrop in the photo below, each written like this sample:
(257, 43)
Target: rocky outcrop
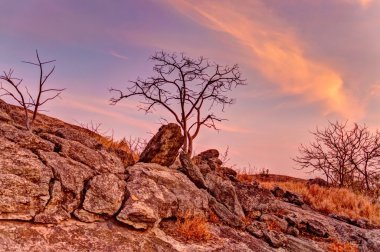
(96, 198)
(164, 146)
(157, 192)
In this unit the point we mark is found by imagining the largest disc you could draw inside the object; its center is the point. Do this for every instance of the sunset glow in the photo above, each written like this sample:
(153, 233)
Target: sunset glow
(306, 63)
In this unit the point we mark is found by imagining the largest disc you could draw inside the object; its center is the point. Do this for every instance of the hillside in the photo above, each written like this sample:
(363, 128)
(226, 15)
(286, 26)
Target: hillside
(62, 188)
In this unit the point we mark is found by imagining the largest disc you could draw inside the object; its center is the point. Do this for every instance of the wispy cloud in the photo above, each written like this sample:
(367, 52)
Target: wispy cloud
(275, 51)
(118, 55)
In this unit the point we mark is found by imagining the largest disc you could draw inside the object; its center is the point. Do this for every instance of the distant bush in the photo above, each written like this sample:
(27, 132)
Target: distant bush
(348, 156)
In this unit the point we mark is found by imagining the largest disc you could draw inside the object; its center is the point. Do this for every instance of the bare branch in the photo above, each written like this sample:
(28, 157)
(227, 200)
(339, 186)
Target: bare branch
(184, 87)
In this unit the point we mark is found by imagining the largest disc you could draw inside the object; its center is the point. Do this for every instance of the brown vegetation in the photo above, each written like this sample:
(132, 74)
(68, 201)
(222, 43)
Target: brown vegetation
(192, 228)
(341, 201)
(338, 246)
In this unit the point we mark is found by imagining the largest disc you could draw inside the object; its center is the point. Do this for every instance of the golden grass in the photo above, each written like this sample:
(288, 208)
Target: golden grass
(192, 228)
(340, 201)
(112, 145)
(337, 246)
(245, 178)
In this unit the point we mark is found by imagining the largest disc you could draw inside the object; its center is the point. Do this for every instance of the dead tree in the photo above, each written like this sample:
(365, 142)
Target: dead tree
(188, 89)
(26, 100)
(348, 157)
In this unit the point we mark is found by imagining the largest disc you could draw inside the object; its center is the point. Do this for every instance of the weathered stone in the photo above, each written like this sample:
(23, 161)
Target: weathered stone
(208, 154)
(105, 194)
(24, 182)
(191, 171)
(293, 198)
(274, 238)
(256, 229)
(86, 216)
(297, 244)
(293, 231)
(53, 212)
(280, 223)
(291, 221)
(72, 175)
(317, 228)
(101, 161)
(224, 192)
(164, 146)
(253, 197)
(224, 213)
(227, 172)
(157, 192)
(278, 192)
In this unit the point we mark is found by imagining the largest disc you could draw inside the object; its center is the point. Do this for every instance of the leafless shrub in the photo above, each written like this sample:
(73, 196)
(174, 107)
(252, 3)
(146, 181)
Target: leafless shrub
(25, 99)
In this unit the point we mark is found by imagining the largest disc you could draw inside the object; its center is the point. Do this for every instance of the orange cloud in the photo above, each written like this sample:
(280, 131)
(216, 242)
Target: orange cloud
(274, 50)
(362, 3)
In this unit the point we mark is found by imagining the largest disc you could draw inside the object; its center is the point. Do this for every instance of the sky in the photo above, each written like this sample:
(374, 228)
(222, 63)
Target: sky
(305, 62)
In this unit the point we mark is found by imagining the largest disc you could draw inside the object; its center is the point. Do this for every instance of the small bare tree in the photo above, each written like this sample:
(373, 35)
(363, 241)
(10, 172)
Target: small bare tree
(28, 101)
(348, 157)
(188, 89)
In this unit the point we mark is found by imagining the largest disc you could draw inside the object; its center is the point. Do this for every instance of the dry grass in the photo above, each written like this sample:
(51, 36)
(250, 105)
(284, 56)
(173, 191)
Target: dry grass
(192, 229)
(340, 201)
(338, 246)
(245, 178)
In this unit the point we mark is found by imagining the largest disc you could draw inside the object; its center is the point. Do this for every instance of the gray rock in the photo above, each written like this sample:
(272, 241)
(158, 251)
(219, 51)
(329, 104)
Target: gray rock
(224, 213)
(274, 238)
(317, 228)
(54, 211)
(24, 182)
(164, 146)
(209, 154)
(293, 231)
(86, 216)
(256, 229)
(253, 197)
(191, 171)
(293, 198)
(157, 192)
(105, 194)
(224, 192)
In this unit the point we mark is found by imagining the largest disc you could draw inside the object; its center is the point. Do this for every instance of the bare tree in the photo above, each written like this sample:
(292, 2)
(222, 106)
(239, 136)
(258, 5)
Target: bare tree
(27, 101)
(348, 157)
(188, 89)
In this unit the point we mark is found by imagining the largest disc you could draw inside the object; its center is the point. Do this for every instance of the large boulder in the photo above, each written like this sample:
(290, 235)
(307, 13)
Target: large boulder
(164, 146)
(105, 194)
(157, 192)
